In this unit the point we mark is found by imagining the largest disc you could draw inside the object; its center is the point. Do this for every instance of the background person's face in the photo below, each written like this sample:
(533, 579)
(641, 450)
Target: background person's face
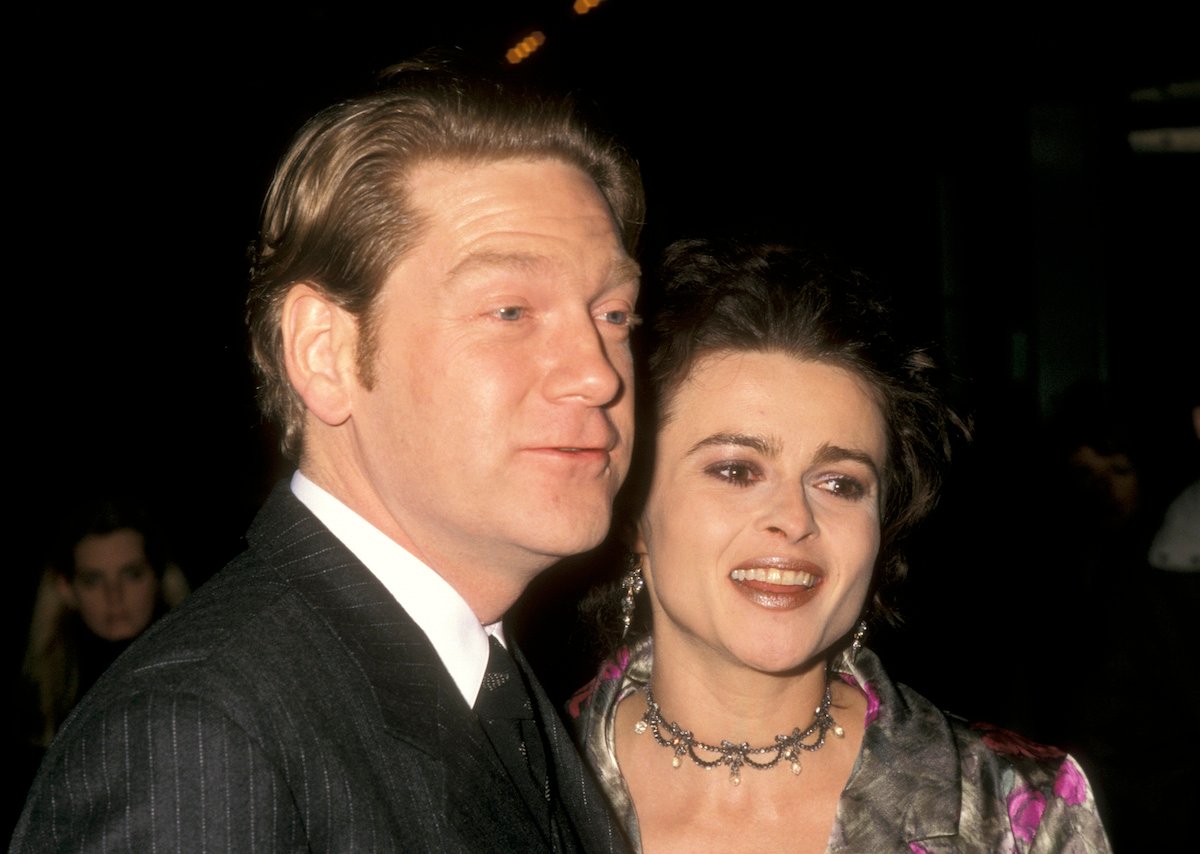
(762, 524)
(114, 589)
(498, 427)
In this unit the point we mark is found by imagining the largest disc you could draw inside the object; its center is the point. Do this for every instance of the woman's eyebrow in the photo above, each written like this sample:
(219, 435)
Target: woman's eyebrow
(765, 445)
(836, 453)
(770, 447)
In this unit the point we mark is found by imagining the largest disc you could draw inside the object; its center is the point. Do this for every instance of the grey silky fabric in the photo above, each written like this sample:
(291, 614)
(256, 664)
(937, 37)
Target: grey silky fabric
(924, 783)
(290, 704)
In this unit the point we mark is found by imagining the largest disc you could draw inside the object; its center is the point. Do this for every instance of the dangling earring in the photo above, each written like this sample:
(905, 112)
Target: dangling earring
(632, 584)
(860, 632)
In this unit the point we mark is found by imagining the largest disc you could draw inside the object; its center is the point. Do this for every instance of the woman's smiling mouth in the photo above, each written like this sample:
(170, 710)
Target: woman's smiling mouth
(774, 575)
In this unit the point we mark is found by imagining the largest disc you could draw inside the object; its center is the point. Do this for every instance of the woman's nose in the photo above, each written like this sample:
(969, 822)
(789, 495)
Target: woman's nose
(790, 514)
(114, 593)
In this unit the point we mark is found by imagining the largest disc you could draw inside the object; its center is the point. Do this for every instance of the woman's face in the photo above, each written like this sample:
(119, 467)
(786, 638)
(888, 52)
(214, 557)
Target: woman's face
(762, 524)
(115, 589)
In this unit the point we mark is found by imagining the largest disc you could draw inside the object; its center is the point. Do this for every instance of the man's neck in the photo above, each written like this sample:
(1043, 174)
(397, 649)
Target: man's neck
(489, 586)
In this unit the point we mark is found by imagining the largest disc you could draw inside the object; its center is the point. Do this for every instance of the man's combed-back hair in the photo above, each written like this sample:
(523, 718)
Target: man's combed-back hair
(339, 215)
(733, 296)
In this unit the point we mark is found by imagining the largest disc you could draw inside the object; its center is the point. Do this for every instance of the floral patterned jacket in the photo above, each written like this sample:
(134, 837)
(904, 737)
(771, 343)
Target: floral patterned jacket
(924, 782)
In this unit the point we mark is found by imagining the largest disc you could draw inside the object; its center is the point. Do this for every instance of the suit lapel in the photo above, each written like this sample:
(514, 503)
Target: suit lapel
(418, 702)
(583, 820)
(393, 653)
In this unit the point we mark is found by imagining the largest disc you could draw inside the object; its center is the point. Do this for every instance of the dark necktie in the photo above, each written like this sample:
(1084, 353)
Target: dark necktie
(506, 711)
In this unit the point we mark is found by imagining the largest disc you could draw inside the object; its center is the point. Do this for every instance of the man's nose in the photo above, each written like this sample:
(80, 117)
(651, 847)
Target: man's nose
(583, 366)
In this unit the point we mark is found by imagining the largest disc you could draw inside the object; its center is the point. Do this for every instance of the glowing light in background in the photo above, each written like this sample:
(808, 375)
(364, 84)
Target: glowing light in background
(528, 45)
(525, 47)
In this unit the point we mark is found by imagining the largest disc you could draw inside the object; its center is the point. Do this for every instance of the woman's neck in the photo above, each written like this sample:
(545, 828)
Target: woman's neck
(789, 806)
(718, 699)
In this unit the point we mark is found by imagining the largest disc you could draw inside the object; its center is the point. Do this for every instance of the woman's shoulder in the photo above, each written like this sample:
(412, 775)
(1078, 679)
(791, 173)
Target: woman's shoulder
(1041, 790)
(1005, 745)
(999, 789)
(910, 718)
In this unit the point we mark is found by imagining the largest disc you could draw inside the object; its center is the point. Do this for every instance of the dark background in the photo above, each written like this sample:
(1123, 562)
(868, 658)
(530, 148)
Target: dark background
(981, 167)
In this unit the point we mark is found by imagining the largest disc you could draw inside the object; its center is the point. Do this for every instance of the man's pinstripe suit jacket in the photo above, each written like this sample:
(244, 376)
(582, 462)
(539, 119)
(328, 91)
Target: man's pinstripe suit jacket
(290, 704)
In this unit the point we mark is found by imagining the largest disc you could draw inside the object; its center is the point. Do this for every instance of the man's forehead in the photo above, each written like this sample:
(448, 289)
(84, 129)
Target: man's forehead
(441, 166)
(514, 213)
(623, 270)
(449, 183)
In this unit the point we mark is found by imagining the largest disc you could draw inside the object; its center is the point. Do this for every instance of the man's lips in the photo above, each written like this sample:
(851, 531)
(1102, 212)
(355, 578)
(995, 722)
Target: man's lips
(594, 443)
(572, 451)
(588, 457)
(592, 446)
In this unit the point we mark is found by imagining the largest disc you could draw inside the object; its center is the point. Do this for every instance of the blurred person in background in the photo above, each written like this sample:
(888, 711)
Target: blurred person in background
(108, 577)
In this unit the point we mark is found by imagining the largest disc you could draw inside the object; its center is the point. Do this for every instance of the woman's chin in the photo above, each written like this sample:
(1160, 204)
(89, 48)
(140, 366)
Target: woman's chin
(779, 659)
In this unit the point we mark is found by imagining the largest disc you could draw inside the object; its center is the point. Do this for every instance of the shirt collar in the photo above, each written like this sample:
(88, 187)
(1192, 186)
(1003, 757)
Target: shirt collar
(441, 613)
(907, 775)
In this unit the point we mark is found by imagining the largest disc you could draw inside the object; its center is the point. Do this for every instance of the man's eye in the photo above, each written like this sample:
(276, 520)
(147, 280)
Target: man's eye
(510, 312)
(620, 317)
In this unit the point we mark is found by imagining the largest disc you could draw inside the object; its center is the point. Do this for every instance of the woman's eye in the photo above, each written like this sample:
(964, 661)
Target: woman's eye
(510, 312)
(737, 473)
(845, 487)
(137, 572)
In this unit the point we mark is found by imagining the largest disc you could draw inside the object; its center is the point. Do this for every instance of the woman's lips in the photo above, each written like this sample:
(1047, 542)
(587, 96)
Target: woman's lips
(777, 583)
(774, 575)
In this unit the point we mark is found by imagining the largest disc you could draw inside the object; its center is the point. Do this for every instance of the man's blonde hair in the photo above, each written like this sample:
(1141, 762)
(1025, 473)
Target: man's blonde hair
(338, 213)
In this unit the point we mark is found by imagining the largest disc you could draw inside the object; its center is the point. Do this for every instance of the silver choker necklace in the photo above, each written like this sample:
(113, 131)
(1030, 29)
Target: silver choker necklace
(737, 756)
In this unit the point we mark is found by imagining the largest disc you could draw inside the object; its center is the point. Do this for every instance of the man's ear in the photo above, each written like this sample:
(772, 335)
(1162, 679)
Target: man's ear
(319, 339)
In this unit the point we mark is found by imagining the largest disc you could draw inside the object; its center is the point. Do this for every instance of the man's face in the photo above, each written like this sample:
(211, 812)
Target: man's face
(498, 424)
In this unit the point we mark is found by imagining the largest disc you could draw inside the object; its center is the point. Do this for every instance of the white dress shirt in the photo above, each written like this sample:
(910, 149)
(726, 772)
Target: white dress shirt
(459, 639)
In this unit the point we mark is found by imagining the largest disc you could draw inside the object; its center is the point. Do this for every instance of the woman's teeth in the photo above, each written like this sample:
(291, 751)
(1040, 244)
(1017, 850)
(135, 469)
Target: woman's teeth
(783, 577)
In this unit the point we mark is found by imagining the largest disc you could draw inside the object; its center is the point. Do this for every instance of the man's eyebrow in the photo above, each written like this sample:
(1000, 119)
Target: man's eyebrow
(520, 261)
(765, 445)
(624, 269)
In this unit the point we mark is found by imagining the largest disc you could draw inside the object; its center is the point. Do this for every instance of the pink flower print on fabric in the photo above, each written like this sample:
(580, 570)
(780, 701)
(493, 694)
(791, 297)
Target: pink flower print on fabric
(1025, 808)
(610, 670)
(872, 703)
(580, 698)
(1070, 784)
(1008, 743)
(868, 692)
(614, 670)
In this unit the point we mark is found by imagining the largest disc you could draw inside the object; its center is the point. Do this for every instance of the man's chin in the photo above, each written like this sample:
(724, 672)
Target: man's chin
(560, 541)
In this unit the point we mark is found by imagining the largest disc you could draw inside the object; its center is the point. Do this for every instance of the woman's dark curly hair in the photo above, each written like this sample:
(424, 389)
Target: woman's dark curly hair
(728, 295)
